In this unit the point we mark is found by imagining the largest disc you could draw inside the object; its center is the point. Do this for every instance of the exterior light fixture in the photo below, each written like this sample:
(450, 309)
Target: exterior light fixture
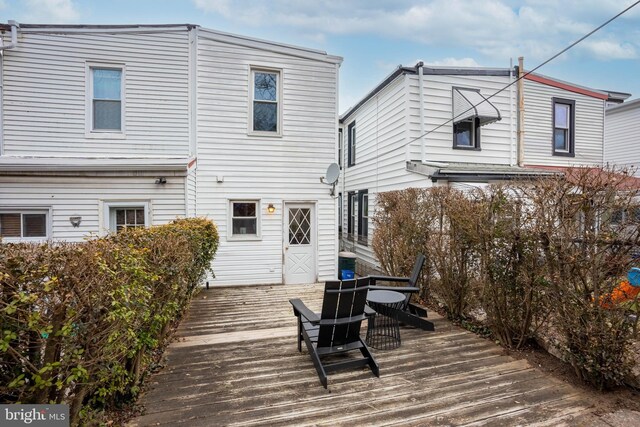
(271, 209)
(162, 180)
(75, 221)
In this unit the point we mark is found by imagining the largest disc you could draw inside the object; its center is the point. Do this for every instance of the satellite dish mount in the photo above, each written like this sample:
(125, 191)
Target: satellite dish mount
(331, 177)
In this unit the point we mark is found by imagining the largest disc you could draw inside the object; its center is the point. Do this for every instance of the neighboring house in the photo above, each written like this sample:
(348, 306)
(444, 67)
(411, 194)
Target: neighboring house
(110, 127)
(425, 126)
(620, 144)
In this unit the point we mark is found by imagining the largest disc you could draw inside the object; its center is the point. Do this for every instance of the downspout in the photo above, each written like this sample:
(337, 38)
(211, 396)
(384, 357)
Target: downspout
(423, 155)
(520, 141)
(3, 47)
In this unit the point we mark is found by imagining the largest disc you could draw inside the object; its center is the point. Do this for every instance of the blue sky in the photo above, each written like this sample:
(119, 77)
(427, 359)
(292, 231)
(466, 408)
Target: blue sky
(374, 36)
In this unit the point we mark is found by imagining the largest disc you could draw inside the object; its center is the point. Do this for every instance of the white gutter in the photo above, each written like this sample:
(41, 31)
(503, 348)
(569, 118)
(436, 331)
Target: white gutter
(3, 47)
(423, 155)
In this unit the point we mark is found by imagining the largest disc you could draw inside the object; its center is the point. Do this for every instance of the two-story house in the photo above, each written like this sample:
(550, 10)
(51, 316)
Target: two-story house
(462, 127)
(118, 126)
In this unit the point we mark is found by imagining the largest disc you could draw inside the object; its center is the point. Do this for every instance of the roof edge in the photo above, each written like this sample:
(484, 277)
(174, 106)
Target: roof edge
(594, 93)
(625, 106)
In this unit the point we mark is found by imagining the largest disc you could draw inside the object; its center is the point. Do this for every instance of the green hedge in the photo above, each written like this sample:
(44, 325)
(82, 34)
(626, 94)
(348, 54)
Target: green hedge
(80, 322)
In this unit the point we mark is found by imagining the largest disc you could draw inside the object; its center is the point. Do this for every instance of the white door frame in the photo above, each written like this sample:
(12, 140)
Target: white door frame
(314, 233)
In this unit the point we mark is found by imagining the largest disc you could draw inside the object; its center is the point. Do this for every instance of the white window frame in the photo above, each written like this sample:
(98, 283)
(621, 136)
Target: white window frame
(262, 69)
(28, 210)
(109, 214)
(104, 133)
(340, 147)
(244, 237)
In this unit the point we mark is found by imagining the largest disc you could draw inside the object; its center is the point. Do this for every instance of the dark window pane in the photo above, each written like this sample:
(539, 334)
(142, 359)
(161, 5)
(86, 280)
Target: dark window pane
(244, 209)
(10, 225)
(34, 225)
(245, 226)
(107, 83)
(140, 216)
(265, 87)
(462, 134)
(120, 216)
(616, 217)
(106, 115)
(560, 139)
(265, 116)
(131, 217)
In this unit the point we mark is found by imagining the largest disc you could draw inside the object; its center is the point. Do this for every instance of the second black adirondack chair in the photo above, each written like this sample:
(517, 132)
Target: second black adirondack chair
(410, 313)
(337, 328)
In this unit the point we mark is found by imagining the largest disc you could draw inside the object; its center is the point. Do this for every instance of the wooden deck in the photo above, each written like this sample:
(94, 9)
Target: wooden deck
(236, 363)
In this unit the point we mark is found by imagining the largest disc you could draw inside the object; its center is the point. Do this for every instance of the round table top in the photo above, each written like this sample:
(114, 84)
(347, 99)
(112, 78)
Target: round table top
(385, 297)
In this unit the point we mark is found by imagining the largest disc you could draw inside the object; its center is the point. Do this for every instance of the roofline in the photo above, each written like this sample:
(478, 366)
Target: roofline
(594, 93)
(432, 70)
(20, 164)
(241, 40)
(230, 38)
(634, 103)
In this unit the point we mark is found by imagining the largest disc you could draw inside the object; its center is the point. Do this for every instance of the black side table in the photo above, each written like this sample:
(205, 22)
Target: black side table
(383, 329)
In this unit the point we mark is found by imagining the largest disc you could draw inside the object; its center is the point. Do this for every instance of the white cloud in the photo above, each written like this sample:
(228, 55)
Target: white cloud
(610, 49)
(497, 29)
(50, 11)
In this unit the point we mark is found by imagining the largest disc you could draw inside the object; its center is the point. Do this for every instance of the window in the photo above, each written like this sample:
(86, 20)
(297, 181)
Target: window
(106, 97)
(563, 127)
(340, 148)
(244, 219)
(127, 215)
(265, 96)
(24, 224)
(466, 134)
(363, 216)
(352, 144)
(351, 212)
(339, 213)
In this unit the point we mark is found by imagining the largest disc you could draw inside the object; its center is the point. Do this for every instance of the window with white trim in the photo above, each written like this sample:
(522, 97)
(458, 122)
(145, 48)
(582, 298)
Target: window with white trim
(24, 224)
(340, 148)
(265, 101)
(363, 216)
(244, 218)
(123, 216)
(106, 99)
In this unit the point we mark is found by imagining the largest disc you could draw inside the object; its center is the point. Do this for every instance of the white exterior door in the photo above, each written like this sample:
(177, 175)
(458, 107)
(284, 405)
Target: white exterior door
(299, 243)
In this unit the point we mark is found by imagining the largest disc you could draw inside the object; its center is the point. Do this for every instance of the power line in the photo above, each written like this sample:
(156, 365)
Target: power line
(486, 99)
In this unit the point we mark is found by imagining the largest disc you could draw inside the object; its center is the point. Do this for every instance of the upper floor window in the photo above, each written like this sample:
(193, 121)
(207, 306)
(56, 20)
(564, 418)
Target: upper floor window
(340, 213)
(106, 91)
(340, 147)
(24, 224)
(563, 127)
(466, 134)
(351, 137)
(265, 101)
(351, 212)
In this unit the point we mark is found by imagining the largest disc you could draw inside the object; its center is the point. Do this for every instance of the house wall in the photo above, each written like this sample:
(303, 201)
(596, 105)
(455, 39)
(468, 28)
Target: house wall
(538, 132)
(497, 139)
(621, 143)
(83, 196)
(233, 165)
(44, 95)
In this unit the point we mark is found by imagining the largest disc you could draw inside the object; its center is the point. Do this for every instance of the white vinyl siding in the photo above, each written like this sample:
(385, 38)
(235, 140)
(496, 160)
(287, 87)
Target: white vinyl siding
(45, 93)
(87, 198)
(235, 166)
(538, 128)
(622, 145)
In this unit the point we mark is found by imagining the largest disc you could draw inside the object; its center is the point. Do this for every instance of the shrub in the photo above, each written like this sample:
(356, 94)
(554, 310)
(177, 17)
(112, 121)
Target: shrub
(81, 321)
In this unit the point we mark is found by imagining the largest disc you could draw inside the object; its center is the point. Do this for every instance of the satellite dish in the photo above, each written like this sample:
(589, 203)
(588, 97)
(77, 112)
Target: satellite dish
(333, 172)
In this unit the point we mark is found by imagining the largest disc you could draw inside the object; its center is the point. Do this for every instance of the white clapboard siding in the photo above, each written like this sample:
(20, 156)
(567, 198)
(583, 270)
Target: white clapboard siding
(538, 132)
(191, 188)
(82, 196)
(622, 145)
(496, 138)
(268, 169)
(44, 93)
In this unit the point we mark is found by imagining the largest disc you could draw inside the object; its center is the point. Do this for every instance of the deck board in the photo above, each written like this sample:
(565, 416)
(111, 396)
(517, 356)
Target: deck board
(235, 363)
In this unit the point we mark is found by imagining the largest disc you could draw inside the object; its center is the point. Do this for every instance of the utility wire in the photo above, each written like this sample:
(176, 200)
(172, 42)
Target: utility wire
(530, 71)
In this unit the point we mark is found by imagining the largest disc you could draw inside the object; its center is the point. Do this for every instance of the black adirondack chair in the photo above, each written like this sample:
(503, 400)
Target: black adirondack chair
(409, 313)
(337, 328)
